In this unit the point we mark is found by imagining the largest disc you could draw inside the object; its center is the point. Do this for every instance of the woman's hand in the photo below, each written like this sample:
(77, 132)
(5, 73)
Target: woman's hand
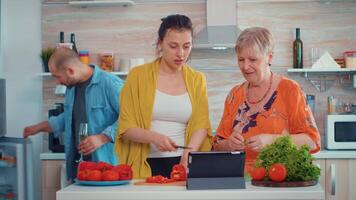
(184, 158)
(236, 142)
(256, 143)
(163, 143)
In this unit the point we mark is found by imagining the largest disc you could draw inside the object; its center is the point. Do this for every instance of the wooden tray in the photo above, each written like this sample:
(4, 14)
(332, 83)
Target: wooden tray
(284, 184)
(176, 183)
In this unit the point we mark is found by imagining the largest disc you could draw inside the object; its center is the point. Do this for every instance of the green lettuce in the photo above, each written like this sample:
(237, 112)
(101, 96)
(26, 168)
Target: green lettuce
(298, 161)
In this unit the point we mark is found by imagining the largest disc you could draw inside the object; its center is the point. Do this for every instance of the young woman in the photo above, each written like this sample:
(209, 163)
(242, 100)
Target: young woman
(164, 105)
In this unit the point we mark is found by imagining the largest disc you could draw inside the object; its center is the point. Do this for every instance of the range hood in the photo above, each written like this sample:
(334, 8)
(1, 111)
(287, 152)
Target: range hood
(221, 31)
(99, 3)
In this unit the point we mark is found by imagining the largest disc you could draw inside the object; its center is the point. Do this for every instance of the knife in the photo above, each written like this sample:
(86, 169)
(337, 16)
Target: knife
(183, 147)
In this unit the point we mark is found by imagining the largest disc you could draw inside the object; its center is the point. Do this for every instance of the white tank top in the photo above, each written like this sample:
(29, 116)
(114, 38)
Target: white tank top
(170, 117)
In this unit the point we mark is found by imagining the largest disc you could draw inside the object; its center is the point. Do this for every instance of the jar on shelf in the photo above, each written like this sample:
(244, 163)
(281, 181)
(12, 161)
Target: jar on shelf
(84, 56)
(350, 59)
(107, 61)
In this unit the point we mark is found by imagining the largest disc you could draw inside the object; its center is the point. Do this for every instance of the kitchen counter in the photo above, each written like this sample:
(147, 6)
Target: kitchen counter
(52, 156)
(324, 154)
(335, 154)
(134, 192)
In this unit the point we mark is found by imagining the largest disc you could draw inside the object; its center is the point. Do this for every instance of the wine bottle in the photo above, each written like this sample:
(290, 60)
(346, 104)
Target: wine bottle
(297, 50)
(61, 37)
(72, 40)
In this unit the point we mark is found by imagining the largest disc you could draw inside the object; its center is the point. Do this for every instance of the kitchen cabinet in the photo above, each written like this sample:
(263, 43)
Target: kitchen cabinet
(53, 174)
(157, 192)
(338, 178)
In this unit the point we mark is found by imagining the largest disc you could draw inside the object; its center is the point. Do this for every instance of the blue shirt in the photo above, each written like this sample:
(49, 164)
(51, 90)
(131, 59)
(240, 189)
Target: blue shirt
(102, 97)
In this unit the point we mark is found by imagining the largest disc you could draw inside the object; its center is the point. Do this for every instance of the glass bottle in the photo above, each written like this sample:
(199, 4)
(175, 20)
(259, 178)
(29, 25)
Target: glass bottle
(61, 37)
(297, 51)
(72, 40)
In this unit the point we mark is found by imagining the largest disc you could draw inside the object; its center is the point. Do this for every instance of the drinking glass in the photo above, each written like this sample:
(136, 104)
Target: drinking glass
(83, 133)
(314, 53)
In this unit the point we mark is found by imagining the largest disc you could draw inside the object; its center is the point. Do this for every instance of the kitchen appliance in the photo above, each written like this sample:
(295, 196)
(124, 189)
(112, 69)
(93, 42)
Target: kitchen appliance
(16, 171)
(55, 144)
(221, 30)
(2, 107)
(340, 132)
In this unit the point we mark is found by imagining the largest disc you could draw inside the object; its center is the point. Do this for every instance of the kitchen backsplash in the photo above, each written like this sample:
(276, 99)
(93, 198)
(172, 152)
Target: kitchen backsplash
(130, 32)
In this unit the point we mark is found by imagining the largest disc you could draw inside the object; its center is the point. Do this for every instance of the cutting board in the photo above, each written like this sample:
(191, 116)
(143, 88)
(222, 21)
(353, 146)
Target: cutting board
(284, 184)
(176, 183)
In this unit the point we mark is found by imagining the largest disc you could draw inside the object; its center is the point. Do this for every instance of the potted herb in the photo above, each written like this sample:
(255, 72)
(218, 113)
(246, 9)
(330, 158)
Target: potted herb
(45, 55)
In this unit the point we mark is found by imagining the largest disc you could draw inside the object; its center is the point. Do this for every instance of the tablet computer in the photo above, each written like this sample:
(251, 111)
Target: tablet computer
(216, 170)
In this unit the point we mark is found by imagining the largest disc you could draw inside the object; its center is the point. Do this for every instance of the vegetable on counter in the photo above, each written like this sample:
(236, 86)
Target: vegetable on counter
(102, 171)
(178, 173)
(298, 162)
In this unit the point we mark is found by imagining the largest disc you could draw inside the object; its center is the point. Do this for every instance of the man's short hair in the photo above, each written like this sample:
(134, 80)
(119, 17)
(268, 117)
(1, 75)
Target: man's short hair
(62, 56)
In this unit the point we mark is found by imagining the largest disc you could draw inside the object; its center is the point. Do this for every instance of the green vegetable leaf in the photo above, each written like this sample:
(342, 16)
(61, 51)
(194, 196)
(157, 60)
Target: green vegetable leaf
(298, 161)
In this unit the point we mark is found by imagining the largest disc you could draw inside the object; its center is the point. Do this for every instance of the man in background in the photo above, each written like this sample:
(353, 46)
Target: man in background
(92, 97)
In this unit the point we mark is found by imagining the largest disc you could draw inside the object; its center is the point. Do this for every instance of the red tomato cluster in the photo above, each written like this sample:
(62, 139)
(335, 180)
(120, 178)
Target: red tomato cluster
(277, 172)
(102, 171)
(178, 173)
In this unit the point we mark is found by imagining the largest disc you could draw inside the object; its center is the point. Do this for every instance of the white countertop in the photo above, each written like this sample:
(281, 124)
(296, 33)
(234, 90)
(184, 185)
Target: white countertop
(324, 154)
(134, 192)
(52, 156)
(334, 154)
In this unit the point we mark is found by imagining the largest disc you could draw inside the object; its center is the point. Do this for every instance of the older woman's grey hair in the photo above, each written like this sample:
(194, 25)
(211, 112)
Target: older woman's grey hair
(255, 38)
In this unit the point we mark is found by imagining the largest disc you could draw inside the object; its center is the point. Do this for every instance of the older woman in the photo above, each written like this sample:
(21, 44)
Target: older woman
(265, 106)
(164, 105)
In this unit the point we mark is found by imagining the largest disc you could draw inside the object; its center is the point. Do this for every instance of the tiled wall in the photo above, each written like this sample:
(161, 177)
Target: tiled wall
(131, 32)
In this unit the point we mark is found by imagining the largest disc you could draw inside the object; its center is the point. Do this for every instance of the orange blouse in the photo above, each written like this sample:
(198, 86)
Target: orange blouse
(286, 109)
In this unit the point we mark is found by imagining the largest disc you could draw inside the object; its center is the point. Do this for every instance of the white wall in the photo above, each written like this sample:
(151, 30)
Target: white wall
(21, 45)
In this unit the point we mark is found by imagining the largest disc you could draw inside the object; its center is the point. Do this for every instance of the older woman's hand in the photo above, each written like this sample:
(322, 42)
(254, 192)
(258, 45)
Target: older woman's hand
(256, 143)
(236, 142)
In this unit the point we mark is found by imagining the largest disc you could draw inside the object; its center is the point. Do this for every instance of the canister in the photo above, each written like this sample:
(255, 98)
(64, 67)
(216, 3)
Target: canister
(84, 56)
(350, 59)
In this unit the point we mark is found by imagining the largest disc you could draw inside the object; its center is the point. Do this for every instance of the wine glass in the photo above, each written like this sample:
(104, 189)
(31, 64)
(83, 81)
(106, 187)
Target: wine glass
(83, 133)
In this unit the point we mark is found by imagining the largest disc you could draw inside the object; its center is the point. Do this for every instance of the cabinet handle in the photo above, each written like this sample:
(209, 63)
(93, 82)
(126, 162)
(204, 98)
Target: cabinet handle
(333, 178)
(63, 176)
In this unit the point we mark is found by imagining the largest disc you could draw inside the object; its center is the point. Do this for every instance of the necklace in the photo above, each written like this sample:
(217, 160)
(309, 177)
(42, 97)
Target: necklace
(264, 96)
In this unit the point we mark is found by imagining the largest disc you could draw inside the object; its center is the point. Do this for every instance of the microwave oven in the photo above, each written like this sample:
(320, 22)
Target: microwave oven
(340, 132)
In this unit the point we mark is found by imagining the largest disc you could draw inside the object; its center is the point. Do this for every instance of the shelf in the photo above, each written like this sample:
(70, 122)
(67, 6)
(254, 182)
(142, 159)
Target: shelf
(115, 73)
(323, 70)
(101, 3)
(320, 83)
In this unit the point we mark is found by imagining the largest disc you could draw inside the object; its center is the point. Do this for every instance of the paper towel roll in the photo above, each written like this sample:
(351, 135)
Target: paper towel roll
(136, 61)
(124, 65)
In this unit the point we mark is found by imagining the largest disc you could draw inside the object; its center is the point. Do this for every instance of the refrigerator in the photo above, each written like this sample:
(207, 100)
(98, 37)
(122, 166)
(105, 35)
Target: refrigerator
(16, 171)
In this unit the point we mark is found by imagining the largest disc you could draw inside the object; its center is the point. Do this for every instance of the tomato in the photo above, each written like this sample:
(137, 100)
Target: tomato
(103, 166)
(94, 175)
(258, 173)
(82, 175)
(277, 172)
(86, 165)
(110, 175)
(178, 173)
(125, 171)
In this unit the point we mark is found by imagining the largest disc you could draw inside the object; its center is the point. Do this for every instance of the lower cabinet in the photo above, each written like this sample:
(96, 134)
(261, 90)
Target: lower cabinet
(338, 178)
(53, 175)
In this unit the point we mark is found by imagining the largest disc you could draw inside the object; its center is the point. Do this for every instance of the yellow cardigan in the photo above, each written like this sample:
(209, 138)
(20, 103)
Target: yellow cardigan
(136, 106)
